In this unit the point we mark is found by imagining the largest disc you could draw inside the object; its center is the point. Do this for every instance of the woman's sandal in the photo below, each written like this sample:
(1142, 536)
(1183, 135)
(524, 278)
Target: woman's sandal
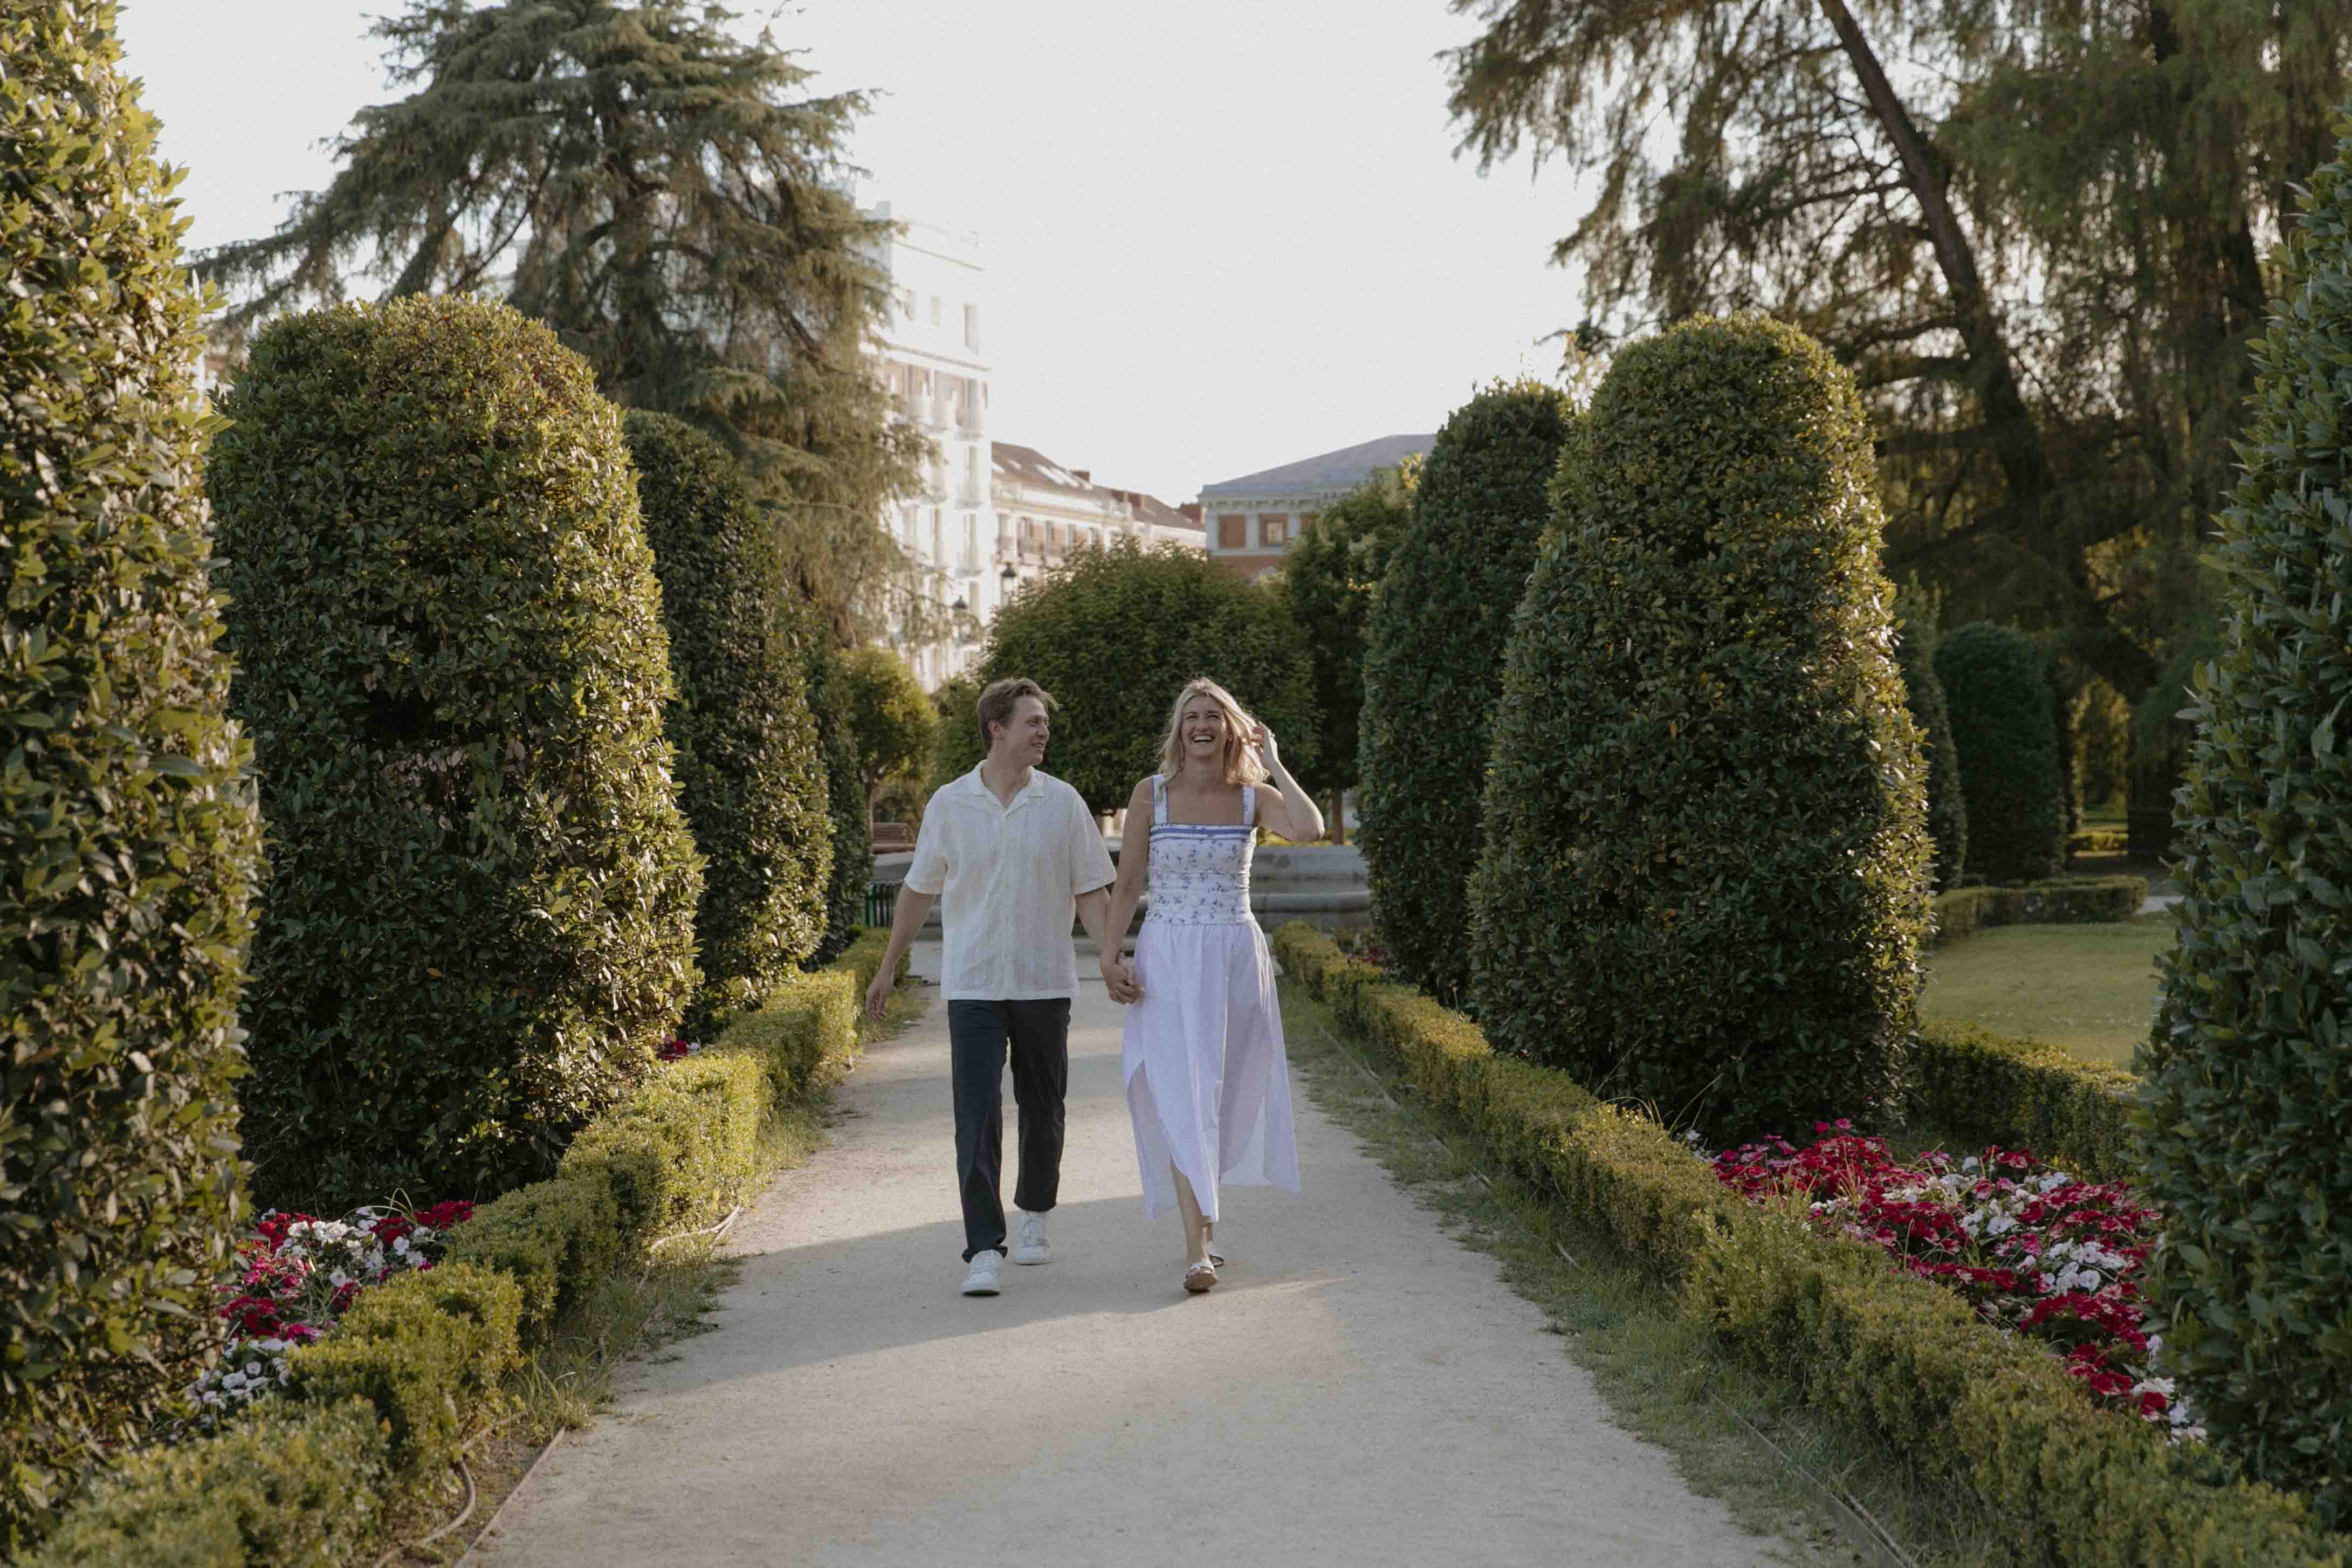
(1201, 1277)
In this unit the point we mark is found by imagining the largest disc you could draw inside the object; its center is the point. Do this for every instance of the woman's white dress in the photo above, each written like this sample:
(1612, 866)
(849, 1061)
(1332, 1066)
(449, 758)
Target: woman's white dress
(1208, 1081)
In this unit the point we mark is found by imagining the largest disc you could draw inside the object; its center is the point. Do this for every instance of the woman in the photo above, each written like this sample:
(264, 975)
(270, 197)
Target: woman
(1208, 1084)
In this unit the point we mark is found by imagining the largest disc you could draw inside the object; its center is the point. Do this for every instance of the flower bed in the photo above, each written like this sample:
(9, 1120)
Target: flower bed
(2031, 1249)
(297, 1276)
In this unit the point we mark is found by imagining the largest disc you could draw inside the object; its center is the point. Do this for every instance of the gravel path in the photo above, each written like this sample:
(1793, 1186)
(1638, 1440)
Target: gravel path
(1360, 1389)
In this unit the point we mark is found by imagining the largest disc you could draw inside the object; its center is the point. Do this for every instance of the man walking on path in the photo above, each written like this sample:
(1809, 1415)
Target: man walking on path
(1007, 852)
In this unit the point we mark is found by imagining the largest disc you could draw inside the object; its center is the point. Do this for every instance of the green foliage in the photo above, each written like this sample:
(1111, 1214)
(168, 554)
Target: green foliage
(2064, 901)
(2249, 1069)
(1915, 636)
(288, 1484)
(829, 699)
(688, 231)
(129, 832)
(452, 661)
(1968, 1406)
(750, 777)
(1704, 883)
(1434, 668)
(1115, 633)
(557, 1240)
(890, 716)
(1997, 686)
(1977, 1088)
(955, 736)
(1330, 576)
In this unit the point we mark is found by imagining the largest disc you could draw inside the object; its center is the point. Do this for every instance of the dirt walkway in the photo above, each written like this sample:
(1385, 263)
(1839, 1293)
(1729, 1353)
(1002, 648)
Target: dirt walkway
(1360, 1389)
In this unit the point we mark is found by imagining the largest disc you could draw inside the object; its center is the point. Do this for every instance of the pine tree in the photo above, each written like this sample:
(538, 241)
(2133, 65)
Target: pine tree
(661, 194)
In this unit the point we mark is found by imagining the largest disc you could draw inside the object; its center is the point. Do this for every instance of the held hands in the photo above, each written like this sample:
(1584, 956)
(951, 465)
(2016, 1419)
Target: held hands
(1119, 978)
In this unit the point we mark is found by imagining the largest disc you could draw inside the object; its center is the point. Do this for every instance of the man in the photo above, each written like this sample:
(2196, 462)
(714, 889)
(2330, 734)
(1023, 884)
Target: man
(1006, 852)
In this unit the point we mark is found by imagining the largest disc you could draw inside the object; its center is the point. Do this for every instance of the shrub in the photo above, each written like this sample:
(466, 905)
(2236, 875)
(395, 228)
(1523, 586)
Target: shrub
(1704, 883)
(1329, 577)
(1997, 685)
(289, 1484)
(1115, 633)
(1433, 668)
(2064, 901)
(955, 737)
(480, 917)
(1916, 637)
(2250, 1068)
(890, 716)
(749, 778)
(852, 838)
(128, 834)
(1979, 1089)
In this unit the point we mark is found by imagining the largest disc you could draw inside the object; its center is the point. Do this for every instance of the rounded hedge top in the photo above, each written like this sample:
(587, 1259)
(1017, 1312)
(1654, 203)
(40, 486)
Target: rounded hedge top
(126, 826)
(750, 779)
(1704, 879)
(481, 906)
(1433, 666)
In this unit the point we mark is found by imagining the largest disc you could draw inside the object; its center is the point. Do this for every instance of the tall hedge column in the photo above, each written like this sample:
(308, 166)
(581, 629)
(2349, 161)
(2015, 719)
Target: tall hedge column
(750, 779)
(2249, 1139)
(1704, 878)
(1434, 667)
(2004, 723)
(127, 828)
(480, 915)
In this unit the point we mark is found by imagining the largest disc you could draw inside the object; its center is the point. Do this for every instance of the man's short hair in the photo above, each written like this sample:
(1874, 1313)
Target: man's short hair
(997, 703)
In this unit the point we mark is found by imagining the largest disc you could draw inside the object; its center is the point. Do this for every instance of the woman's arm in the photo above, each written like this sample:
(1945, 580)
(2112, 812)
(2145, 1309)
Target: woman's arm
(1284, 804)
(1134, 874)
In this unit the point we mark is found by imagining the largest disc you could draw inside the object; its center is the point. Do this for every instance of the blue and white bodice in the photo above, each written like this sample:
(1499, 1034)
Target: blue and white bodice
(1199, 872)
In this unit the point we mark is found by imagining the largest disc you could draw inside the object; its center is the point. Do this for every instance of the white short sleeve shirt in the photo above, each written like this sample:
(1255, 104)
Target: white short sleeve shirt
(1008, 880)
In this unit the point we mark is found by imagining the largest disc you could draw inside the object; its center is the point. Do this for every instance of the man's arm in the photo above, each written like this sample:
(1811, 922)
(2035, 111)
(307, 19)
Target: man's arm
(914, 908)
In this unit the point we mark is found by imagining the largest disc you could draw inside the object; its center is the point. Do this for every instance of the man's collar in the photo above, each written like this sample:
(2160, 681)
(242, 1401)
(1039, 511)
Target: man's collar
(974, 784)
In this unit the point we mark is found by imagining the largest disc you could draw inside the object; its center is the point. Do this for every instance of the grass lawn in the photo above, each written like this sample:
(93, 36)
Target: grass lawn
(2089, 988)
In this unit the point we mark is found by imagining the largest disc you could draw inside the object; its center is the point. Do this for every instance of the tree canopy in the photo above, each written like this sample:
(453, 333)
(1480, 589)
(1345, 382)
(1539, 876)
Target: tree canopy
(670, 199)
(889, 715)
(2036, 231)
(1330, 576)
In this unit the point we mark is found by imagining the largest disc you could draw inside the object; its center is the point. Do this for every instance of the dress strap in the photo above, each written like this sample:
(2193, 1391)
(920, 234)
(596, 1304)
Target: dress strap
(1249, 806)
(1159, 801)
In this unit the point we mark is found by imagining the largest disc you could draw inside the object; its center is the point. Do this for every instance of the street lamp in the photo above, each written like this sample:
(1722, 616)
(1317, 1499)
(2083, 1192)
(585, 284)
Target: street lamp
(1009, 574)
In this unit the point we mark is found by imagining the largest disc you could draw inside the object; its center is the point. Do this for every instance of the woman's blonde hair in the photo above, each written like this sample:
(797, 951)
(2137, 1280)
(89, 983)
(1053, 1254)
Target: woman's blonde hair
(1242, 764)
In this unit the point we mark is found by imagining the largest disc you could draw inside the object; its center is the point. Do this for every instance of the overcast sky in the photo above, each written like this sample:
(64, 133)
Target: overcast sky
(1220, 236)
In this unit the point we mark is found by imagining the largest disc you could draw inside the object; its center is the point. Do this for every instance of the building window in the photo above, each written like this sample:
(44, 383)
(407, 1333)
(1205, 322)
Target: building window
(935, 310)
(971, 326)
(1273, 530)
(906, 303)
(1232, 531)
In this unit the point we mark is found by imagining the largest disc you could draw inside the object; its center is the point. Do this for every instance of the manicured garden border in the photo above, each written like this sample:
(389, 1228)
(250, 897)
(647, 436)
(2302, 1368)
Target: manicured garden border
(2060, 1480)
(2061, 900)
(380, 1408)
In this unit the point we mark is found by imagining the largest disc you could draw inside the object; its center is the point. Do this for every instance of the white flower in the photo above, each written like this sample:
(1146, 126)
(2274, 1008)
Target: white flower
(253, 1369)
(1970, 1163)
(401, 1247)
(339, 1278)
(2002, 1224)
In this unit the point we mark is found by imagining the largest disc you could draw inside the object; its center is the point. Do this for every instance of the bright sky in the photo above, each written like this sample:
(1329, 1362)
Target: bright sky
(1220, 236)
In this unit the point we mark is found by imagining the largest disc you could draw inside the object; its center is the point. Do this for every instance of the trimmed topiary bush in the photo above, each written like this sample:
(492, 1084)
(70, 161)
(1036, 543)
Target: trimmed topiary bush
(852, 871)
(1115, 633)
(1916, 638)
(1434, 668)
(1703, 885)
(2250, 1101)
(451, 658)
(1997, 687)
(750, 777)
(128, 831)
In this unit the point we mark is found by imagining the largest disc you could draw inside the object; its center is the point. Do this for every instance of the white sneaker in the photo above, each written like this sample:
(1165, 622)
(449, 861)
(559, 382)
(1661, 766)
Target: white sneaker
(981, 1280)
(1033, 1246)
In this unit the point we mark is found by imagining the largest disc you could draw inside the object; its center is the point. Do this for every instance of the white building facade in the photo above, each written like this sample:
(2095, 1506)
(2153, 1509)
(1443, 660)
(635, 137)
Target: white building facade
(1252, 521)
(1044, 511)
(930, 358)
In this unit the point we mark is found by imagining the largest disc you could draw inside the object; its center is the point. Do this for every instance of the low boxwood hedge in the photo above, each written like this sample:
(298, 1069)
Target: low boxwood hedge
(2061, 900)
(2059, 1481)
(414, 1368)
(1975, 1087)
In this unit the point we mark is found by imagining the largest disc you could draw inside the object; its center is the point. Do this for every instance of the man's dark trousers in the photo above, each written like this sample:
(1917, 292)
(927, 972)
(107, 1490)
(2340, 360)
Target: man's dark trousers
(1039, 1035)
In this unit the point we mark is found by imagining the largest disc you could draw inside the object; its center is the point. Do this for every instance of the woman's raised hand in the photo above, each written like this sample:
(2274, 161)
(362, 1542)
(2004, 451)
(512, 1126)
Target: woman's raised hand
(1262, 739)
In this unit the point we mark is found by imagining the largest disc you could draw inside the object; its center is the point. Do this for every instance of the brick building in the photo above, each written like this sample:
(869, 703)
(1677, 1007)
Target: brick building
(1252, 520)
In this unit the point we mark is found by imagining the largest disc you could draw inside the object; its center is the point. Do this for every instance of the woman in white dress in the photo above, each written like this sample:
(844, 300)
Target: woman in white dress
(1208, 1083)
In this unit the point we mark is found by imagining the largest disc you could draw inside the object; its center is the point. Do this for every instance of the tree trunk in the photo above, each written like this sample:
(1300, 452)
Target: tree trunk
(1338, 816)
